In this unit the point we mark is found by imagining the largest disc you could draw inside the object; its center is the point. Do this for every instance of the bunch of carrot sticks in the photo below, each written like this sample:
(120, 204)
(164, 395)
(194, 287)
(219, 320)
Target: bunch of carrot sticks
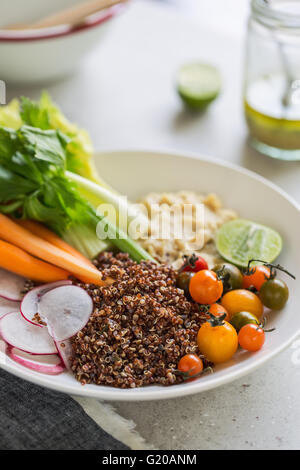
(33, 251)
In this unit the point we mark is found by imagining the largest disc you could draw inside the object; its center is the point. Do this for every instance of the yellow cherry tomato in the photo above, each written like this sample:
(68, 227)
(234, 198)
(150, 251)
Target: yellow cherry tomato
(217, 343)
(242, 300)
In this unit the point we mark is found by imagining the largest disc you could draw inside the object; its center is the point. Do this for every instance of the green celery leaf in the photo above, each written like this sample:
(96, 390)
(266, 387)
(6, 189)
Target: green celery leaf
(44, 114)
(8, 143)
(33, 114)
(24, 165)
(79, 149)
(77, 208)
(35, 209)
(12, 185)
(48, 146)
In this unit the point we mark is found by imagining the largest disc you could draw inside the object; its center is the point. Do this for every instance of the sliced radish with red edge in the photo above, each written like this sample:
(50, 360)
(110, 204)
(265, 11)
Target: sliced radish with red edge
(65, 352)
(11, 285)
(33, 364)
(66, 310)
(29, 304)
(20, 334)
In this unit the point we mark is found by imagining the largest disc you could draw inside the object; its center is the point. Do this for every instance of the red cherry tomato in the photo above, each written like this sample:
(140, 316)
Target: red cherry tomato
(200, 264)
(205, 287)
(251, 337)
(190, 365)
(260, 275)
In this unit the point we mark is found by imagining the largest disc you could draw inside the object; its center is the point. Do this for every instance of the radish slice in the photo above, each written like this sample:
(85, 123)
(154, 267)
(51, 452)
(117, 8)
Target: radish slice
(29, 304)
(11, 285)
(65, 352)
(66, 310)
(50, 369)
(20, 334)
(7, 306)
(44, 359)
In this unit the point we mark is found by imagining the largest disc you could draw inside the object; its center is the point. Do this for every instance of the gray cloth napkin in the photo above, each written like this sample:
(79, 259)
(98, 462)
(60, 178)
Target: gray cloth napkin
(34, 418)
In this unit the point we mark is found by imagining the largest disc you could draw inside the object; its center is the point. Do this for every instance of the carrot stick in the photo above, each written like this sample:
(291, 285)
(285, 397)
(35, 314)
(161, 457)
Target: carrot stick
(18, 261)
(19, 236)
(43, 232)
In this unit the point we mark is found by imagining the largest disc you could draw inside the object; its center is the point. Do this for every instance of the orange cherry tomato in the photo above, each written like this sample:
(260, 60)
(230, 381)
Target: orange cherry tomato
(217, 343)
(218, 310)
(190, 365)
(260, 275)
(251, 337)
(242, 300)
(205, 287)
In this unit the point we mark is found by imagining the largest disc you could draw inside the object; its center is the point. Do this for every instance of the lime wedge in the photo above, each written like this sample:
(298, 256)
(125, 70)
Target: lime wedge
(198, 84)
(240, 240)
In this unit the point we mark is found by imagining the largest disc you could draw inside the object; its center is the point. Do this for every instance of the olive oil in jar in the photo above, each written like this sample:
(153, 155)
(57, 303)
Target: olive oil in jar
(272, 78)
(270, 121)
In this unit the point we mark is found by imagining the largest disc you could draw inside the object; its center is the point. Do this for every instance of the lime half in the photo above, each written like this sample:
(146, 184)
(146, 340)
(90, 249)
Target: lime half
(240, 240)
(198, 84)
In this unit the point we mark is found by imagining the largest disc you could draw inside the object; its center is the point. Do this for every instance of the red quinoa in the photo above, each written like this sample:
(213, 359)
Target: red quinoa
(140, 328)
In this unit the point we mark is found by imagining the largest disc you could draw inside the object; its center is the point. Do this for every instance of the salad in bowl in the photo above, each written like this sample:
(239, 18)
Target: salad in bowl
(117, 293)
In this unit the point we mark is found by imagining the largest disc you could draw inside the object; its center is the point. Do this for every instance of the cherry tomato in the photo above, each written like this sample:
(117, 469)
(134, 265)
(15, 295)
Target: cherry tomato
(242, 300)
(251, 337)
(260, 275)
(200, 264)
(274, 294)
(217, 343)
(233, 277)
(190, 365)
(205, 288)
(240, 319)
(218, 310)
(183, 281)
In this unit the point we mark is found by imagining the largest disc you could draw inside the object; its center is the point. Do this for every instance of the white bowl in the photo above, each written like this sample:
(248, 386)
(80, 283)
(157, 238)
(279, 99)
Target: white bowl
(36, 56)
(135, 174)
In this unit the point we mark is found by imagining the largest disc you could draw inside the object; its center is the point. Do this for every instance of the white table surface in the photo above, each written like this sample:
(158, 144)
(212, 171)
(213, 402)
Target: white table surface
(124, 95)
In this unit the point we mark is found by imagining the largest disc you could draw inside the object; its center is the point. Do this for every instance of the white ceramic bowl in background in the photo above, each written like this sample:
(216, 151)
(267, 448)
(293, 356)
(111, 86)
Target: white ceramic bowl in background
(36, 56)
(137, 173)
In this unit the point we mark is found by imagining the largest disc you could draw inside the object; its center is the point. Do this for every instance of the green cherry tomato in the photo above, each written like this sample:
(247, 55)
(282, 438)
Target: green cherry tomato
(232, 274)
(240, 319)
(183, 281)
(274, 294)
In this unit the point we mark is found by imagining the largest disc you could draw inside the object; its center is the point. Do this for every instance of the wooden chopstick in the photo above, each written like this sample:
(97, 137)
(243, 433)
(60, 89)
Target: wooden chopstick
(71, 16)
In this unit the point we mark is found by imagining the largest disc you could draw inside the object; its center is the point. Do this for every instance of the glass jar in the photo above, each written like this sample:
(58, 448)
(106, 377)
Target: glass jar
(272, 78)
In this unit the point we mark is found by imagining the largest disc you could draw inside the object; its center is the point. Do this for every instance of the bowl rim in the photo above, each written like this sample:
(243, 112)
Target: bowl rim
(134, 395)
(62, 30)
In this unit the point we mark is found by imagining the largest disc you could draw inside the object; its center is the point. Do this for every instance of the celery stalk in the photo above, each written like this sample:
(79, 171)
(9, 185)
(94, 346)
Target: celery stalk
(98, 194)
(121, 240)
(85, 240)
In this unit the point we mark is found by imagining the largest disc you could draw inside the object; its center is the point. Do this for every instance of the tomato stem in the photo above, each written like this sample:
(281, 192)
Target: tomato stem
(272, 267)
(188, 262)
(216, 320)
(262, 326)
